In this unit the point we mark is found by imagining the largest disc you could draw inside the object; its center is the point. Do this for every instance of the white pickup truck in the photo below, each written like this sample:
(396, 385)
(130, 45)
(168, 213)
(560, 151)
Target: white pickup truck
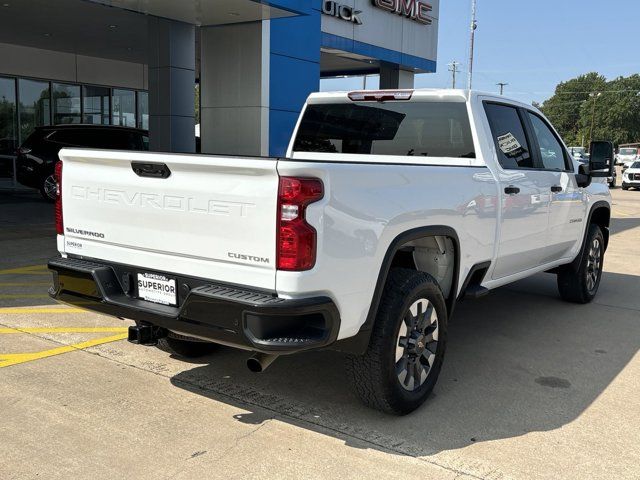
(388, 209)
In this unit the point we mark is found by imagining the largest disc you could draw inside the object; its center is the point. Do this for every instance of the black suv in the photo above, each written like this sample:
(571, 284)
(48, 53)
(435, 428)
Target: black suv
(39, 153)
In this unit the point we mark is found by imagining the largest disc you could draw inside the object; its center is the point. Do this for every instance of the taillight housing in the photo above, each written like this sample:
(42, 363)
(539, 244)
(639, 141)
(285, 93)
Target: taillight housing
(58, 206)
(296, 242)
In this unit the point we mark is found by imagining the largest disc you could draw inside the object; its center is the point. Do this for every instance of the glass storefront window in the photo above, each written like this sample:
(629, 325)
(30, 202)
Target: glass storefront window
(35, 106)
(66, 103)
(96, 105)
(8, 128)
(143, 110)
(123, 108)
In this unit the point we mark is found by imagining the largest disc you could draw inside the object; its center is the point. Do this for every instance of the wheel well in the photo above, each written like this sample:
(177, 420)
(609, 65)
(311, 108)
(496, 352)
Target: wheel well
(433, 254)
(601, 216)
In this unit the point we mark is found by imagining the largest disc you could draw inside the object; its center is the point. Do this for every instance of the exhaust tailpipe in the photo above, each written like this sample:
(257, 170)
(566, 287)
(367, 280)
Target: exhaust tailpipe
(260, 362)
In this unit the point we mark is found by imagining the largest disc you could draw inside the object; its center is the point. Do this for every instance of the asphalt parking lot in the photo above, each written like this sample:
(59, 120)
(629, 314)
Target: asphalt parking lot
(532, 388)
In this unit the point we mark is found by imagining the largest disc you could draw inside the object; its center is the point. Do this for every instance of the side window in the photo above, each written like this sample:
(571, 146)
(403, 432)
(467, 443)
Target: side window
(508, 134)
(551, 151)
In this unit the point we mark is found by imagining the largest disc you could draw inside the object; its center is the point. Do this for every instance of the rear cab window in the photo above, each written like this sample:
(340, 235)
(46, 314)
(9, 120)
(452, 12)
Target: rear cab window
(416, 128)
(509, 136)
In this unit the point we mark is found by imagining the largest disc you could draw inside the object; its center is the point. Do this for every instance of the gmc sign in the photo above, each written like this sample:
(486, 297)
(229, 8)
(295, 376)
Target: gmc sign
(416, 10)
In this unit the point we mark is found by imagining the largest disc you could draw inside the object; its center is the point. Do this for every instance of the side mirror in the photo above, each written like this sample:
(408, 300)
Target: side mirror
(601, 163)
(583, 177)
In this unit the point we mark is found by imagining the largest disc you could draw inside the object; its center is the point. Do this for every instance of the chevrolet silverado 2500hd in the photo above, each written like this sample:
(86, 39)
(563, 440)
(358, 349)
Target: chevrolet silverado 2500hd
(389, 207)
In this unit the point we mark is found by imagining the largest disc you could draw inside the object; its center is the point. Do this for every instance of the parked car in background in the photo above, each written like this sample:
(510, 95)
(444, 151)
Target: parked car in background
(626, 156)
(38, 154)
(579, 153)
(631, 176)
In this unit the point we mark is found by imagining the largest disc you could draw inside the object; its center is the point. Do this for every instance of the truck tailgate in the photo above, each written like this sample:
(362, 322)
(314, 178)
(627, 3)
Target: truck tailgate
(213, 217)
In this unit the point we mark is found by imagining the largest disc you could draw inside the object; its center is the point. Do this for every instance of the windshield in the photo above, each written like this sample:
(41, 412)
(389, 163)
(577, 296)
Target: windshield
(635, 165)
(627, 151)
(578, 150)
(427, 129)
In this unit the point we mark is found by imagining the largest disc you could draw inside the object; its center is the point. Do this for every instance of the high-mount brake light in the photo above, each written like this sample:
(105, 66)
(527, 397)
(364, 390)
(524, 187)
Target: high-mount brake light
(58, 206)
(296, 242)
(380, 95)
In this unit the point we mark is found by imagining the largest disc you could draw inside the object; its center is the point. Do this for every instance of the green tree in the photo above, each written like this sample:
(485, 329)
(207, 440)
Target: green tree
(568, 108)
(590, 107)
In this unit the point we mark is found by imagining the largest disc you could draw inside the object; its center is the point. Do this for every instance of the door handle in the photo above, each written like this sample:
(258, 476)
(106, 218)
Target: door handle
(556, 189)
(511, 190)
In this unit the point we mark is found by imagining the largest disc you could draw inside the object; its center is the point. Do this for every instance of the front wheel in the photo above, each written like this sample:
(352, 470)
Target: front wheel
(581, 285)
(406, 350)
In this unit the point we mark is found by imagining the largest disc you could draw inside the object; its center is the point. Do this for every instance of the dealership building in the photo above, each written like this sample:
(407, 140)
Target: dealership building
(136, 63)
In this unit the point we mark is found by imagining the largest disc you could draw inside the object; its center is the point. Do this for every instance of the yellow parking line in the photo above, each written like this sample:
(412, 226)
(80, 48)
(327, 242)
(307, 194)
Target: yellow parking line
(15, 296)
(10, 331)
(24, 284)
(7, 360)
(32, 270)
(48, 310)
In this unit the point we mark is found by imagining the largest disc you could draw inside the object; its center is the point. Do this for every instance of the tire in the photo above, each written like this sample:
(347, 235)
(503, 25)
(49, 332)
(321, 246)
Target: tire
(581, 285)
(48, 188)
(185, 348)
(624, 187)
(382, 377)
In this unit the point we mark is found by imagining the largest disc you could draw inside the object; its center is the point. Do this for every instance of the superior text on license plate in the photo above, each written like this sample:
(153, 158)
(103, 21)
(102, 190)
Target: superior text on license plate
(157, 288)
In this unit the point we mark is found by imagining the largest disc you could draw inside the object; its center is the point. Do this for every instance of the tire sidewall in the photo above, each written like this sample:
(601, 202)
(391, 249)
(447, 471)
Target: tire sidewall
(594, 232)
(409, 400)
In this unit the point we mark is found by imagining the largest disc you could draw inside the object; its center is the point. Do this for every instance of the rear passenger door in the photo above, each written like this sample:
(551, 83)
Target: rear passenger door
(525, 192)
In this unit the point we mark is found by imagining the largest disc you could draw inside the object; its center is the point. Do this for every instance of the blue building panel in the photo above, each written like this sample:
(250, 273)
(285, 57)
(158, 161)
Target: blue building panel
(291, 82)
(294, 73)
(297, 37)
(379, 53)
(281, 125)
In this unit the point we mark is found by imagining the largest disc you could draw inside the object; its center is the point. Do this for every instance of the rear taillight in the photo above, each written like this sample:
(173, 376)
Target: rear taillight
(58, 177)
(296, 238)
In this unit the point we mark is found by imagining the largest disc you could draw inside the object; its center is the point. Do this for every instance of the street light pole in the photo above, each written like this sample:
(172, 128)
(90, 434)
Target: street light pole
(502, 85)
(474, 25)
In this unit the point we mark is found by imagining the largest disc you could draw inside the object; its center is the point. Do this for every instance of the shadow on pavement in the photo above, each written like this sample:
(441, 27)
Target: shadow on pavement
(518, 361)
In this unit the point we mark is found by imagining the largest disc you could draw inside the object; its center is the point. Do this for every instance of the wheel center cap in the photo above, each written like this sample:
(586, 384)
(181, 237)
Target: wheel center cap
(416, 344)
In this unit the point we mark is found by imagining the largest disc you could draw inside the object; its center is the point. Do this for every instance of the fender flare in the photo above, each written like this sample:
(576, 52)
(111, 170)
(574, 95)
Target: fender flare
(597, 205)
(359, 342)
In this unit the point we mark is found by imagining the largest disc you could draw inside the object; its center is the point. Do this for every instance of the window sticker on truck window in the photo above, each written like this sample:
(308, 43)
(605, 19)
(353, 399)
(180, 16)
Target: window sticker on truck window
(510, 145)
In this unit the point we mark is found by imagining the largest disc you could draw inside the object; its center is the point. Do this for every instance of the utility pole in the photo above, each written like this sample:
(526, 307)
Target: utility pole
(474, 25)
(502, 85)
(454, 68)
(595, 96)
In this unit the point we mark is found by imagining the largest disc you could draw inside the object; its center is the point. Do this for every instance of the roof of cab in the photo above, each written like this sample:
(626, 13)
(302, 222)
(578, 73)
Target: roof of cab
(447, 94)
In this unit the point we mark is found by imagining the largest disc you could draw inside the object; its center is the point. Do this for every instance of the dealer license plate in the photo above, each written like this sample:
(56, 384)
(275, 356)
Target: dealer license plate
(157, 289)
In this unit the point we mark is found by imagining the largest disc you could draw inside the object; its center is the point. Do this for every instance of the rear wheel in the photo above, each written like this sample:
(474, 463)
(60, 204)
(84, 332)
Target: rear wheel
(186, 346)
(581, 285)
(49, 188)
(405, 353)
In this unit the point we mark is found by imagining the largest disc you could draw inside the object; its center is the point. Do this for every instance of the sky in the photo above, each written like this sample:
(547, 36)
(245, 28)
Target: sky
(531, 44)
